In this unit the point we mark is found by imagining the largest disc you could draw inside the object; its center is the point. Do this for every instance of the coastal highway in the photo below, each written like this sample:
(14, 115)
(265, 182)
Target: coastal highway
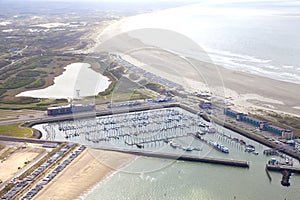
(29, 140)
(103, 112)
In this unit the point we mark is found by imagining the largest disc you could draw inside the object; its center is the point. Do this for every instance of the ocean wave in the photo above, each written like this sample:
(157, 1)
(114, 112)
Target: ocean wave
(288, 66)
(236, 56)
(251, 64)
(98, 185)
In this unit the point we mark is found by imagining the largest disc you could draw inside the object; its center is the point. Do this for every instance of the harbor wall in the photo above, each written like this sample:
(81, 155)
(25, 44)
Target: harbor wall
(190, 158)
(282, 168)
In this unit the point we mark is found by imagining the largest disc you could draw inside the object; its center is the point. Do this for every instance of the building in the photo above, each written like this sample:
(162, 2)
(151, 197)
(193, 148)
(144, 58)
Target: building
(59, 110)
(274, 129)
(69, 109)
(241, 117)
(263, 125)
(233, 114)
(287, 134)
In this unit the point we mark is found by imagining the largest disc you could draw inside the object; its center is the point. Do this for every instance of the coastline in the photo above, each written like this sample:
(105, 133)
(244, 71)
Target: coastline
(91, 168)
(244, 91)
(244, 96)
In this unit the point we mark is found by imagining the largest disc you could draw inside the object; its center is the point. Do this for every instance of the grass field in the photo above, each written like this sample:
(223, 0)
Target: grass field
(15, 130)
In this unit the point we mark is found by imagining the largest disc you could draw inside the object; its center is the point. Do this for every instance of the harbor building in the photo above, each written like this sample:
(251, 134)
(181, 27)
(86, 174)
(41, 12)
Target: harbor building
(69, 109)
(287, 134)
(233, 114)
(262, 125)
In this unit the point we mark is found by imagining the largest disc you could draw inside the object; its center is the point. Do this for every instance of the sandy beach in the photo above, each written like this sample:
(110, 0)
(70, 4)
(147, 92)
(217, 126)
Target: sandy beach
(246, 91)
(156, 54)
(80, 176)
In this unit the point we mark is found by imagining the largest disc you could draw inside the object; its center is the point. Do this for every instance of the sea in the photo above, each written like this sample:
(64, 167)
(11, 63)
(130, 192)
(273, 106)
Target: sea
(259, 37)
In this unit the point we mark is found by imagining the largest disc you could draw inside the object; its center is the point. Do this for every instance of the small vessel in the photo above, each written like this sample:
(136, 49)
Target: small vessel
(173, 144)
(166, 141)
(200, 133)
(209, 130)
(242, 142)
(255, 153)
(219, 147)
(249, 149)
(139, 146)
(202, 125)
(187, 148)
(197, 149)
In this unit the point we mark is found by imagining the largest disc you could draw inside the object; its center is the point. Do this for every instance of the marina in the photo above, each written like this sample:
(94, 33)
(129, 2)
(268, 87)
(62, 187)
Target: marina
(171, 130)
(166, 136)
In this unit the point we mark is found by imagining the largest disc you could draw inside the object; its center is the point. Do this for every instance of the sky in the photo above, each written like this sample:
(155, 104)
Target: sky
(183, 1)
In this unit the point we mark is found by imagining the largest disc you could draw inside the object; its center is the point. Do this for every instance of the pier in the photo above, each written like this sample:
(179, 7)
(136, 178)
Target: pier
(190, 158)
(280, 168)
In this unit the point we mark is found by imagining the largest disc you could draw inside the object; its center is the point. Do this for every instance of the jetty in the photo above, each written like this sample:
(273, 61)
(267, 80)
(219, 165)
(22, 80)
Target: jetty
(286, 178)
(280, 168)
(183, 157)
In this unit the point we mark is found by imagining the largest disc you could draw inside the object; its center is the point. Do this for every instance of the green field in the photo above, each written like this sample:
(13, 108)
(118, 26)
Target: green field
(16, 130)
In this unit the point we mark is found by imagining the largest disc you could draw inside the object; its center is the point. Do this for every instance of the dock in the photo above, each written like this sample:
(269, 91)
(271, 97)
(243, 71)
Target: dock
(280, 168)
(190, 158)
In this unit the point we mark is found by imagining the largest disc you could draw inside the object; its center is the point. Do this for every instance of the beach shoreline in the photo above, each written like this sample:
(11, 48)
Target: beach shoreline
(84, 174)
(246, 91)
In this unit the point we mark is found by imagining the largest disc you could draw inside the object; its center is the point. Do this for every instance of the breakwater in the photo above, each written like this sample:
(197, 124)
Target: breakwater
(184, 157)
(280, 168)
